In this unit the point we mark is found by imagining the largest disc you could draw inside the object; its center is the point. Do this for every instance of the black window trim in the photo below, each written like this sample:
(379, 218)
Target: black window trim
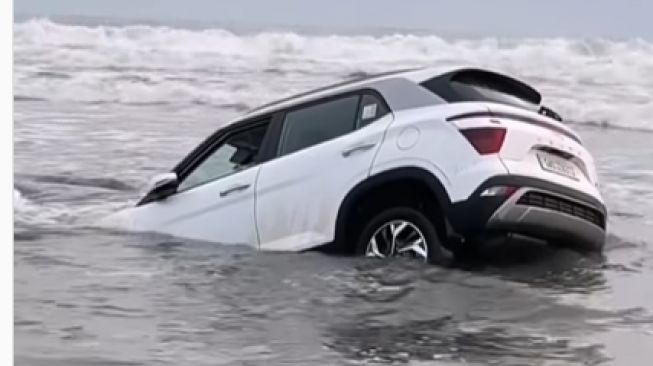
(271, 140)
(280, 115)
(328, 98)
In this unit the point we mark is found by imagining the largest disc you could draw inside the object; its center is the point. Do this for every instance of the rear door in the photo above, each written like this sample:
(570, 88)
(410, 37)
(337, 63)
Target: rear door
(215, 198)
(325, 148)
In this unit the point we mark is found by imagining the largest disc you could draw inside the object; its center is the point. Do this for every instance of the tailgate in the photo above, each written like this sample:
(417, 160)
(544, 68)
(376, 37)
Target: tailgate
(539, 146)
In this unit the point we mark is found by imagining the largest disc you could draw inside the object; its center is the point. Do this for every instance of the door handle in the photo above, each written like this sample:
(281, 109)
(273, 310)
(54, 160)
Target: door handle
(363, 147)
(234, 189)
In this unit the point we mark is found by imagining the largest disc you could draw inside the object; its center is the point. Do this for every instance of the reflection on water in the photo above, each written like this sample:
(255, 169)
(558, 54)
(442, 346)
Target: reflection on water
(165, 300)
(434, 314)
(443, 339)
(540, 265)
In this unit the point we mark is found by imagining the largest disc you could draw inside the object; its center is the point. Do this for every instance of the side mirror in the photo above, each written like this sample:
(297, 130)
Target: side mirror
(161, 186)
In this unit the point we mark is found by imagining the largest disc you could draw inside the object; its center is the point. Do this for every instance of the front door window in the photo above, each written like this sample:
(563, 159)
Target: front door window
(238, 151)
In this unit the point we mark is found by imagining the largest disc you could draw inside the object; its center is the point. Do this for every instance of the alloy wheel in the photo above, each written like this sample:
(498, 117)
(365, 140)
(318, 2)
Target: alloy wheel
(398, 238)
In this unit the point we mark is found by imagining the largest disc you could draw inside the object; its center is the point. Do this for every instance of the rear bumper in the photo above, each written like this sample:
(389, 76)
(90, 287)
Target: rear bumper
(538, 208)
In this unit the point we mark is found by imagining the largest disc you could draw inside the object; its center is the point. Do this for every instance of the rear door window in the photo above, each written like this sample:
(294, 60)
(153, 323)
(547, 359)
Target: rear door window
(317, 123)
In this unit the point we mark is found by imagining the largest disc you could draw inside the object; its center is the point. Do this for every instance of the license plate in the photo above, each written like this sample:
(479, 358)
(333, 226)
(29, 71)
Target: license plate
(557, 165)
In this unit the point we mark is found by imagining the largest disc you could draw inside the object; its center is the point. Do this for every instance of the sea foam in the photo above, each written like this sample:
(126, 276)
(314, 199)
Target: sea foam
(600, 82)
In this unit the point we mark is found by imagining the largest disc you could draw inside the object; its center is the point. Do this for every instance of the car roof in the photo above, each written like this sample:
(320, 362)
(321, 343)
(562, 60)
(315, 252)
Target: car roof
(416, 75)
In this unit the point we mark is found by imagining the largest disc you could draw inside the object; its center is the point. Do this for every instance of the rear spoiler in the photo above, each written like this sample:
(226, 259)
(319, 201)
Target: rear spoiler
(443, 85)
(464, 85)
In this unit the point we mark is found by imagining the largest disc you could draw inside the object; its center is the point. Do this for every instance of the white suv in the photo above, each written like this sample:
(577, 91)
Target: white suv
(411, 163)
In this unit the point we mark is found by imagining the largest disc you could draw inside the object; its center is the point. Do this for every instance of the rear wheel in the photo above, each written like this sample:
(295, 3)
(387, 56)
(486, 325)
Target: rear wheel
(402, 232)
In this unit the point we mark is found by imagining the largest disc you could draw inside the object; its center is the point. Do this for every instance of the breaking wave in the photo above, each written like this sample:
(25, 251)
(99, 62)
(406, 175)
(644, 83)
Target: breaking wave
(140, 65)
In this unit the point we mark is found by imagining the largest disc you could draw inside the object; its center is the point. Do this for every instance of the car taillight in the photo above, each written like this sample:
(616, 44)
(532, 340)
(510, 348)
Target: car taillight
(486, 140)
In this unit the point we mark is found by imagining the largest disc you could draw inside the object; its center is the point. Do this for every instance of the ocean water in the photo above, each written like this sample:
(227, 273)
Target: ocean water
(99, 109)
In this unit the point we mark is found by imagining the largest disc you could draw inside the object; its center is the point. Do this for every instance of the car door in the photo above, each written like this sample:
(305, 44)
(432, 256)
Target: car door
(215, 197)
(324, 150)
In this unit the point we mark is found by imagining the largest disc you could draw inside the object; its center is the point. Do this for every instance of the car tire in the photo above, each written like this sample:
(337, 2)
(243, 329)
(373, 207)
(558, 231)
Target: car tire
(409, 220)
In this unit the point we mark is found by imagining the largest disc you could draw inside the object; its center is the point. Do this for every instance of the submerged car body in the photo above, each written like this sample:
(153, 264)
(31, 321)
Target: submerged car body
(468, 152)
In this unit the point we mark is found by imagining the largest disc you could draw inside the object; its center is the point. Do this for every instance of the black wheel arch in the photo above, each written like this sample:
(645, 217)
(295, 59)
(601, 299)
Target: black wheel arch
(397, 175)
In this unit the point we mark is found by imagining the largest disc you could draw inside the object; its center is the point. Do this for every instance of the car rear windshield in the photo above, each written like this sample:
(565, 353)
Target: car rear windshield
(483, 86)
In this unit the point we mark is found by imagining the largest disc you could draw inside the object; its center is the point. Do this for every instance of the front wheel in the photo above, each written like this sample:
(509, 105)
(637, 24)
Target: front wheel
(402, 232)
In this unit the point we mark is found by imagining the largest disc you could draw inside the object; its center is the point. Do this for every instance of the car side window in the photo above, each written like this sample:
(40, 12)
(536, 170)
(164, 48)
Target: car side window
(371, 109)
(236, 152)
(318, 123)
